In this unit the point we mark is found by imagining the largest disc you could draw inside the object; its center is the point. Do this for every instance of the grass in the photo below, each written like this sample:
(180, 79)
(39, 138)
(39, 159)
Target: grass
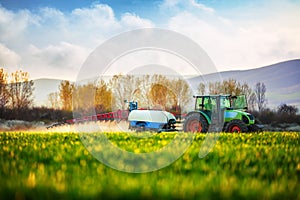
(240, 166)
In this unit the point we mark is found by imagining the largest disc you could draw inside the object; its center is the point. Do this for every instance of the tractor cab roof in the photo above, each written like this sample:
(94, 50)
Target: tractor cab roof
(214, 95)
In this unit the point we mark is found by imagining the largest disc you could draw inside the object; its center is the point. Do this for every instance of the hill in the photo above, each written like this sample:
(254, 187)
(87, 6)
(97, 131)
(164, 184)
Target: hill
(282, 81)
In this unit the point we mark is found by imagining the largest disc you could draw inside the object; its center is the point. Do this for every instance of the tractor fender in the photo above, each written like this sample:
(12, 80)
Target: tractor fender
(238, 114)
(207, 118)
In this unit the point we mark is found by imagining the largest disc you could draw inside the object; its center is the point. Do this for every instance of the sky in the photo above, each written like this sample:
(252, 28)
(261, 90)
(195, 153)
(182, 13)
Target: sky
(52, 39)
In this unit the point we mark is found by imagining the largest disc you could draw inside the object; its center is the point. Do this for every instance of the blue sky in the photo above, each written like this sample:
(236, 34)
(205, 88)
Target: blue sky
(53, 38)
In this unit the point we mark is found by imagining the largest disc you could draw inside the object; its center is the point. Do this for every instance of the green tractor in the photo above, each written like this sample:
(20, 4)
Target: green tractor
(220, 113)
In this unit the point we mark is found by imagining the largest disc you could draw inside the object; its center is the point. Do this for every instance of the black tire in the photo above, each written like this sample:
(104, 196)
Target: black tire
(141, 127)
(195, 122)
(254, 128)
(236, 126)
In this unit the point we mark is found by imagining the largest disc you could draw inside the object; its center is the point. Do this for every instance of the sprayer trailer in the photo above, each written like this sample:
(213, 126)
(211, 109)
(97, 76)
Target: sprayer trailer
(151, 120)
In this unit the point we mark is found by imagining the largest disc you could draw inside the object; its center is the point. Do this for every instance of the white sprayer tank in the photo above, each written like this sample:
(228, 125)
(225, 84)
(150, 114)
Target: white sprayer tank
(153, 119)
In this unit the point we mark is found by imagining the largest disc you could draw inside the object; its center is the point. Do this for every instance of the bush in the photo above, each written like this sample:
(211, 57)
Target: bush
(36, 114)
(274, 117)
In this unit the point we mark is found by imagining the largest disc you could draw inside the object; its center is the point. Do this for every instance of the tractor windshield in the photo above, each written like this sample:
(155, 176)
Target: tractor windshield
(239, 102)
(205, 103)
(225, 102)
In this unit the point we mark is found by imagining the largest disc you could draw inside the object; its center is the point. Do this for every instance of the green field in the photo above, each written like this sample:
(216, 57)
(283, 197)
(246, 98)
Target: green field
(240, 166)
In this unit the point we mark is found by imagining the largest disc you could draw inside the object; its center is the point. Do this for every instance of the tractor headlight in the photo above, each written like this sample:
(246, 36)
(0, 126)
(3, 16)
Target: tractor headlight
(251, 117)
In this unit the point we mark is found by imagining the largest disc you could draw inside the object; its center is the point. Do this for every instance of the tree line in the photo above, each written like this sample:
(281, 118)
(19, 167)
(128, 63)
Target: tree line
(256, 97)
(161, 92)
(151, 92)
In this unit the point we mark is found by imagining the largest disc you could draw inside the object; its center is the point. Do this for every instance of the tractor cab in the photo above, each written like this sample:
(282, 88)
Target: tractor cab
(228, 102)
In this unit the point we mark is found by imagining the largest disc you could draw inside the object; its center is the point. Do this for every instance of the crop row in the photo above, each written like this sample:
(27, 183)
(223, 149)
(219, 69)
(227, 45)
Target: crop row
(57, 165)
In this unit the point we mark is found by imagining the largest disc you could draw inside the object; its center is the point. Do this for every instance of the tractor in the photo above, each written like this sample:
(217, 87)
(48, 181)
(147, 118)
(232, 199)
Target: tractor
(220, 113)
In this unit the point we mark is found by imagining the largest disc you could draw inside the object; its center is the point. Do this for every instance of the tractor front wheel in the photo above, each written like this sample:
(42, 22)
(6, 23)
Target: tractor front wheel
(195, 123)
(236, 126)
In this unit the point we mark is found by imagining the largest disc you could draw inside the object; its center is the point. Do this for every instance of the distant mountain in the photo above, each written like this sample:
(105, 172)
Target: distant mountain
(282, 81)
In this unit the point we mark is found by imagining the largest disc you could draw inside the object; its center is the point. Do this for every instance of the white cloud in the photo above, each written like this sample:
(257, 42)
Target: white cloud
(61, 61)
(169, 4)
(178, 6)
(235, 43)
(201, 6)
(8, 58)
(98, 16)
(13, 26)
(64, 54)
(51, 43)
(133, 21)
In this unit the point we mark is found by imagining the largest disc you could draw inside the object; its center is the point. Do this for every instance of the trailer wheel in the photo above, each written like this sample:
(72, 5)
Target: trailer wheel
(140, 126)
(236, 126)
(195, 123)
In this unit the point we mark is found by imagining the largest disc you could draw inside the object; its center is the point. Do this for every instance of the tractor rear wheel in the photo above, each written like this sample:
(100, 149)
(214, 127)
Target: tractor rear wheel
(236, 126)
(195, 123)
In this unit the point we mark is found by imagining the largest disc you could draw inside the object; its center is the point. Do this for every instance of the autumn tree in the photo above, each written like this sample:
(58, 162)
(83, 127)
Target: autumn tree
(161, 93)
(66, 94)
(20, 90)
(201, 89)
(123, 87)
(54, 100)
(158, 95)
(103, 97)
(214, 88)
(83, 98)
(233, 87)
(181, 92)
(260, 94)
(3, 91)
(142, 94)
